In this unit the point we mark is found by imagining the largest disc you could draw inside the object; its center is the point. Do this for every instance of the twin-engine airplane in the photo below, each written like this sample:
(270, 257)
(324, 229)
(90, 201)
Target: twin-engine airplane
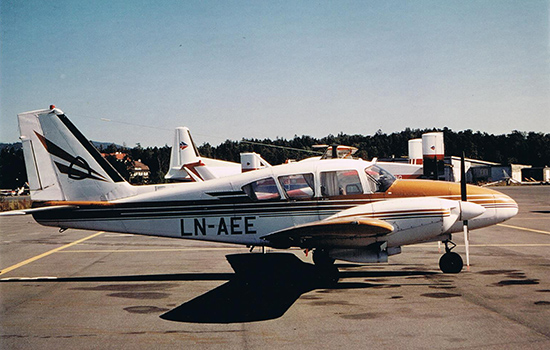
(347, 209)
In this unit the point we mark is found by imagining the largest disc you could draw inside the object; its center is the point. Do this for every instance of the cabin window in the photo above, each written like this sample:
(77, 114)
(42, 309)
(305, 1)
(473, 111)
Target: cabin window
(379, 179)
(299, 186)
(340, 183)
(262, 190)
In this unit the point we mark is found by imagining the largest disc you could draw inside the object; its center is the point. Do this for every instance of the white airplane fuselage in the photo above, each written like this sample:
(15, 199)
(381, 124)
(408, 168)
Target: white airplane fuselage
(220, 210)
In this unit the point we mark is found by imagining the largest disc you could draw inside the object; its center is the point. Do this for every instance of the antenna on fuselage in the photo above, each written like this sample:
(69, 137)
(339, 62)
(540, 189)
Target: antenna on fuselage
(334, 151)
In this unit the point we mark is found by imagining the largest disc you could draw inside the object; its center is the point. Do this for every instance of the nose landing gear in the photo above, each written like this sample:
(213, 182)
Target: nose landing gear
(450, 262)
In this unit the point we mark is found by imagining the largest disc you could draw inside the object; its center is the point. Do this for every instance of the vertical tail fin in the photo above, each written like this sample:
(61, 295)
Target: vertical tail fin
(184, 152)
(62, 164)
(186, 164)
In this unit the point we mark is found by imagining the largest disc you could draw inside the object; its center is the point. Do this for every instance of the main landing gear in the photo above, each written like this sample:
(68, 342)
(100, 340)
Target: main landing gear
(321, 258)
(450, 262)
(328, 273)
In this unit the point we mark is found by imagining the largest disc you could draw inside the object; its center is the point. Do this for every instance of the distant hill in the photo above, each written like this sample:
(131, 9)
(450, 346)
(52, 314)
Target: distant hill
(101, 145)
(17, 145)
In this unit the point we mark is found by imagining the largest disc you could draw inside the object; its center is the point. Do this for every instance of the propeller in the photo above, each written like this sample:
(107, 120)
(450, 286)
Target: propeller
(464, 198)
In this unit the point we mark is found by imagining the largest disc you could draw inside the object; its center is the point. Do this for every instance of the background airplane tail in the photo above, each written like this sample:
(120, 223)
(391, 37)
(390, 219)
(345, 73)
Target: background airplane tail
(62, 164)
(186, 164)
(184, 152)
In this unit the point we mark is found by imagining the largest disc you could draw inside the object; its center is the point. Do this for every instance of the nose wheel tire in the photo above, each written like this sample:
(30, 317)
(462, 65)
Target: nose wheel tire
(451, 263)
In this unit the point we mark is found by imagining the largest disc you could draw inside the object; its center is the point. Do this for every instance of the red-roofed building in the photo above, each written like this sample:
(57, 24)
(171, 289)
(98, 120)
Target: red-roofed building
(138, 172)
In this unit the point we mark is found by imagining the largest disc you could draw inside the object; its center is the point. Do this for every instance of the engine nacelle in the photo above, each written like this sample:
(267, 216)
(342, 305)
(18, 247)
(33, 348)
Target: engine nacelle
(415, 219)
(374, 253)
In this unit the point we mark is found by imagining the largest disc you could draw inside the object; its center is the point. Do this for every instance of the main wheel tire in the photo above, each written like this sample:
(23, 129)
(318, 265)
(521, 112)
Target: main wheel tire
(451, 263)
(321, 258)
(327, 275)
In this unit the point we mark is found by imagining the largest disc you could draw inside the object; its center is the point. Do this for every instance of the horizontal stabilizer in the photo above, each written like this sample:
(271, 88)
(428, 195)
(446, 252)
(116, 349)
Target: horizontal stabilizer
(35, 210)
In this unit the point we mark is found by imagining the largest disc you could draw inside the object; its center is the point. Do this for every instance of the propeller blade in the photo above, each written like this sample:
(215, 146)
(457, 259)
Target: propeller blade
(463, 194)
(466, 245)
(464, 198)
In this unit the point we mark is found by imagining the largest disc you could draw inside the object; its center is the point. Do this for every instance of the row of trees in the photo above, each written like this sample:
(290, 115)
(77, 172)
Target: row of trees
(517, 147)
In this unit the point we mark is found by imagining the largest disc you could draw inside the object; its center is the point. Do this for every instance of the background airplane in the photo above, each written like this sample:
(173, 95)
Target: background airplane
(186, 163)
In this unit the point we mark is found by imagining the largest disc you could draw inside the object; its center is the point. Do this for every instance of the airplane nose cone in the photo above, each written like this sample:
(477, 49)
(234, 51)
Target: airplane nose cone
(469, 210)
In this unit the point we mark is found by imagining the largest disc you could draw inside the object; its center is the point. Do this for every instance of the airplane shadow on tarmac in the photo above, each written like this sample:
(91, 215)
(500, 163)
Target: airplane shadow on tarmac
(263, 287)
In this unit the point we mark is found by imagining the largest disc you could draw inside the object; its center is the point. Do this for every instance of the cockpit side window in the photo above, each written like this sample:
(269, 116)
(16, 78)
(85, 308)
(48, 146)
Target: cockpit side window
(379, 179)
(261, 190)
(340, 183)
(298, 186)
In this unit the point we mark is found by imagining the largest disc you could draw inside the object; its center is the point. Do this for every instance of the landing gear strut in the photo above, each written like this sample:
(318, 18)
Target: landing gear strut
(328, 273)
(321, 258)
(450, 262)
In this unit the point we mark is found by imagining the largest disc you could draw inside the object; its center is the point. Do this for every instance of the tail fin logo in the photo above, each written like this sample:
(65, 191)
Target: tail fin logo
(77, 174)
(183, 145)
(71, 170)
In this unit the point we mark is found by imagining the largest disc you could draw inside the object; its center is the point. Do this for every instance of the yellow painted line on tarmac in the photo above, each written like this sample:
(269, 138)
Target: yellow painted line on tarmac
(148, 250)
(524, 229)
(28, 261)
(512, 245)
(541, 218)
(431, 245)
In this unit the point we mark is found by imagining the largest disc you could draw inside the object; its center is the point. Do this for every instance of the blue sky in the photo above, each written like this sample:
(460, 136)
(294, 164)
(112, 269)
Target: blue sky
(233, 69)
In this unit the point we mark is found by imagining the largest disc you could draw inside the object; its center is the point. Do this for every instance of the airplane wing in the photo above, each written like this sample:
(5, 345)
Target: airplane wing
(337, 228)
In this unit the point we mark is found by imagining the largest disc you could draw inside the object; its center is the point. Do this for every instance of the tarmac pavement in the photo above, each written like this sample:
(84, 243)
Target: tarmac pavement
(96, 290)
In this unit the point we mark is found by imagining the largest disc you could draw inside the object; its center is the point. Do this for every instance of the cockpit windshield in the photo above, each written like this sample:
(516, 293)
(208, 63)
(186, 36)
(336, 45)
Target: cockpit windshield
(379, 179)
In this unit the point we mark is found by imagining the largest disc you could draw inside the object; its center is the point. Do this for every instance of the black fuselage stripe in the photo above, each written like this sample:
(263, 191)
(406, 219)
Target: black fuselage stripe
(190, 213)
(163, 217)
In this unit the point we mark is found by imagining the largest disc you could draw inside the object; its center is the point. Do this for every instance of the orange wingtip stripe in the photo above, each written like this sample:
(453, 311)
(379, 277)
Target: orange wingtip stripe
(76, 203)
